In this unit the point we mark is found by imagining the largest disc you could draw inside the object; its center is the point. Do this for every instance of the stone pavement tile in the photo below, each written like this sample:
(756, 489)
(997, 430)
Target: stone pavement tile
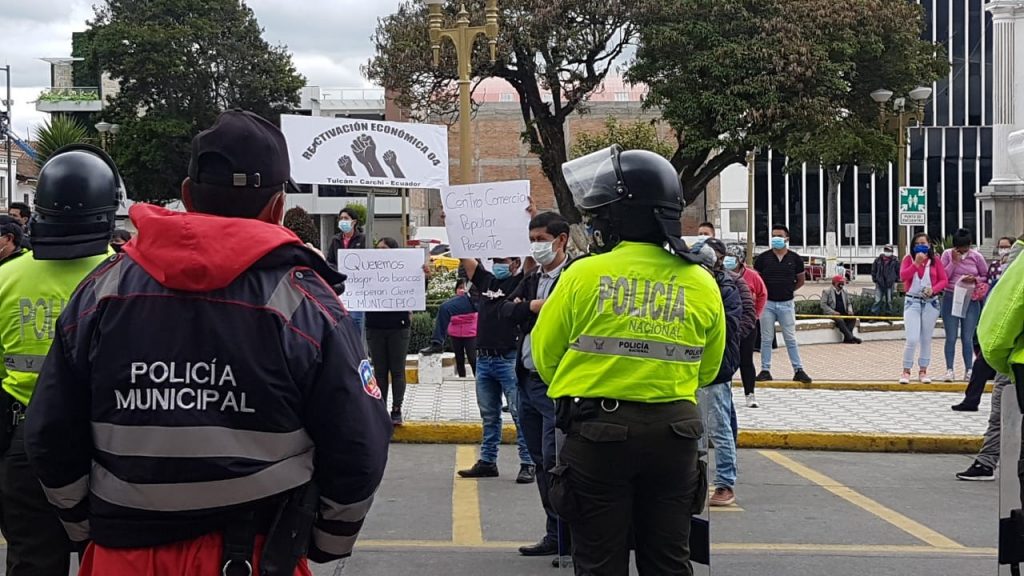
(804, 410)
(871, 361)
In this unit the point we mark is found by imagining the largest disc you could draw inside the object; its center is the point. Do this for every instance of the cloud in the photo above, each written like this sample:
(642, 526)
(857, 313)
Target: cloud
(329, 41)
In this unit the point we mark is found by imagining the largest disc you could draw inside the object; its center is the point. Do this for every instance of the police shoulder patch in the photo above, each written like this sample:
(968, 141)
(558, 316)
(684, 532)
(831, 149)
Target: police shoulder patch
(369, 380)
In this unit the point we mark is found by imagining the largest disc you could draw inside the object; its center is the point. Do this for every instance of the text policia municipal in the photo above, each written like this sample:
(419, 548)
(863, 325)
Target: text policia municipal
(399, 133)
(217, 391)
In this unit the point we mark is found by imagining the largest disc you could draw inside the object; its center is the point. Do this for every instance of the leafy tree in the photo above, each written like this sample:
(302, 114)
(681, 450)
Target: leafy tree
(56, 133)
(732, 76)
(562, 47)
(299, 221)
(875, 43)
(637, 135)
(360, 210)
(179, 64)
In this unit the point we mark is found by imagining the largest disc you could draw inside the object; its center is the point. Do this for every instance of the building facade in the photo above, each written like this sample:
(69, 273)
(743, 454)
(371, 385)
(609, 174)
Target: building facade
(950, 154)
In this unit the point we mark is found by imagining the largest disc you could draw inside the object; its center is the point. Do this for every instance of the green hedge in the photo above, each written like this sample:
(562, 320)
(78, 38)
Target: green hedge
(422, 328)
(861, 305)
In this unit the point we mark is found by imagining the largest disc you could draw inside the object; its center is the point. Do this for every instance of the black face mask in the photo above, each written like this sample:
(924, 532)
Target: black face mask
(117, 247)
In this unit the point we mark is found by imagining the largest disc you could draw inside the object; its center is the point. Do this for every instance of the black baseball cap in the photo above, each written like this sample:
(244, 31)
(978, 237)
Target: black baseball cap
(240, 150)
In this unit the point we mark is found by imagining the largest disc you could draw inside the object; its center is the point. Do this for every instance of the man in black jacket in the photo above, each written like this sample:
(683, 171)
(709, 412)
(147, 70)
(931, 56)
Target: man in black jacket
(715, 400)
(497, 343)
(203, 375)
(549, 237)
(885, 272)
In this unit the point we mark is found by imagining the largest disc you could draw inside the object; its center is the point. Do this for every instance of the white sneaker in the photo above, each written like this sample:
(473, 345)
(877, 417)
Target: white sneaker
(751, 401)
(924, 377)
(967, 375)
(949, 376)
(905, 377)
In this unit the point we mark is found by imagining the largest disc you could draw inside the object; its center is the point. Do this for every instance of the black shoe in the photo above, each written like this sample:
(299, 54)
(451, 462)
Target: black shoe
(977, 473)
(546, 547)
(562, 562)
(963, 407)
(527, 474)
(802, 376)
(504, 408)
(434, 348)
(481, 470)
(764, 376)
(858, 341)
(396, 418)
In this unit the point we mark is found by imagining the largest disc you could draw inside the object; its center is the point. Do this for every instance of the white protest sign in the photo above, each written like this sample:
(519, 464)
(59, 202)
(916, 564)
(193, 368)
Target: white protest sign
(488, 220)
(352, 152)
(383, 280)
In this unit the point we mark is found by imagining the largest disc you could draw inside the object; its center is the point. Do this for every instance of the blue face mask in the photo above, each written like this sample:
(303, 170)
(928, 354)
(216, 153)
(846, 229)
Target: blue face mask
(730, 263)
(920, 249)
(502, 271)
(345, 226)
(778, 243)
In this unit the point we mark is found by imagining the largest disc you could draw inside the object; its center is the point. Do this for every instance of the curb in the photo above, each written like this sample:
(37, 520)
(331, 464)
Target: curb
(470, 433)
(412, 377)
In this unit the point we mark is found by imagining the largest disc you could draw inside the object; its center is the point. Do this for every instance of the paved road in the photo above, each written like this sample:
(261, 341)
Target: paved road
(799, 513)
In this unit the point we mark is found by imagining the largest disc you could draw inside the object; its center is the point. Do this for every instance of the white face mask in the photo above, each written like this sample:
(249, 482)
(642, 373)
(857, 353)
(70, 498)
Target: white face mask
(1004, 251)
(543, 252)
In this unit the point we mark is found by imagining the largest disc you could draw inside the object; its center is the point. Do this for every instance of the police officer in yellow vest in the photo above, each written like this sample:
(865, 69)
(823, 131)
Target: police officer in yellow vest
(623, 343)
(76, 200)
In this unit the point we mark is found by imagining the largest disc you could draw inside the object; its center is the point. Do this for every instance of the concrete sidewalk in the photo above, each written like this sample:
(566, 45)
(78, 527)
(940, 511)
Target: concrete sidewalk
(855, 404)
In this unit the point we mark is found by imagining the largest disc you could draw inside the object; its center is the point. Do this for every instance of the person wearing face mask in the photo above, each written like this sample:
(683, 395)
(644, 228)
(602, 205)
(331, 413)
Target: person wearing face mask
(924, 278)
(497, 345)
(462, 331)
(835, 301)
(119, 239)
(885, 271)
(735, 262)
(11, 238)
(963, 264)
(349, 237)
(715, 401)
(705, 230)
(998, 264)
(783, 273)
(549, 237)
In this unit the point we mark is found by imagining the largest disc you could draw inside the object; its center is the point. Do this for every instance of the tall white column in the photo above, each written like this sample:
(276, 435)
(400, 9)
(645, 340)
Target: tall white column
(1007, 80)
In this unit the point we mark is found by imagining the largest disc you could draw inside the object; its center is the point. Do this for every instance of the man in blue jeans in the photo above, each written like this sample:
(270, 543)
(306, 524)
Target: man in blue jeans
(497, 348)
(783, 273)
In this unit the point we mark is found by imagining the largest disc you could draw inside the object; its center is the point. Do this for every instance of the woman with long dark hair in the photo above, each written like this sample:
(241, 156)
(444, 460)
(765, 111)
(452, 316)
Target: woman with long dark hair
(924, 278)
(388, 334)
(964, 265)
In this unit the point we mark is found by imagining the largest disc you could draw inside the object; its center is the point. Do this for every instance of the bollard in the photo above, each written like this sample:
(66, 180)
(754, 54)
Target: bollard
(430, 370)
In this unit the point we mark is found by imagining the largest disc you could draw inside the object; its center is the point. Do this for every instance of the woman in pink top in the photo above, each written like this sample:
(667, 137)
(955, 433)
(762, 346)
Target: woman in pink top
(962, 264)
(462, 331)
(924, 279)
(737, 255)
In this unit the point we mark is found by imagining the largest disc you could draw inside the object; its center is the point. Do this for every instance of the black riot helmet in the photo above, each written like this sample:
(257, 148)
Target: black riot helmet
(76, 201)
(631, 195)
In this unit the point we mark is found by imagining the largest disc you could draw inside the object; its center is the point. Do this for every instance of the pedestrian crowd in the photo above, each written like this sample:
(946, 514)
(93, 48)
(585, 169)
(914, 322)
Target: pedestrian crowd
(283, 402)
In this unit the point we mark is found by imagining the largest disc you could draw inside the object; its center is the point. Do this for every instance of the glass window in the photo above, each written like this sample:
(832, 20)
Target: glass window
(883, 210)
(958, 57)
(975, 19)
(815, 206)
(865, 218)
(761, 200)
(951, 182)
(738, 220)
(916, 158)
(846, 194)
(987, 97)
(778, 176)
(796, 208)
(934, 183)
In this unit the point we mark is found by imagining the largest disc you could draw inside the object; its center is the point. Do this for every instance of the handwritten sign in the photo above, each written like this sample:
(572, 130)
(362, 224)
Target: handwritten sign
(488, 220)
(383, 280)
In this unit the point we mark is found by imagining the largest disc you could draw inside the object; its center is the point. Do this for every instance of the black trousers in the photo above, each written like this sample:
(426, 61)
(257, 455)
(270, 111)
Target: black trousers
(981, 373)
(747, 369)
(537, 423)
(388, 348)
(635, 466)
(846, 326)
(37, 544)
(464, 348)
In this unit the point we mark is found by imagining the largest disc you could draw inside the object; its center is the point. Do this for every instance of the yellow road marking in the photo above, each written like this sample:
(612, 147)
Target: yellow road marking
(912, 527)
(725, 547)
(466, 528)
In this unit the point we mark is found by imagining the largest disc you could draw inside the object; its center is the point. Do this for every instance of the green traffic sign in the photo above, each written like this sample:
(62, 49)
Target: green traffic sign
(913, 199)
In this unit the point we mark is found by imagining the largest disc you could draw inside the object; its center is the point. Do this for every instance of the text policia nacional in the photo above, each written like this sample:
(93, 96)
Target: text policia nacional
(654, 308)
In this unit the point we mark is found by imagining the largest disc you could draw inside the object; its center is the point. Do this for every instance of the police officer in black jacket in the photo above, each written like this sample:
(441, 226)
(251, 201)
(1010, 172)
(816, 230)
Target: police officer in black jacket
(206, 375)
